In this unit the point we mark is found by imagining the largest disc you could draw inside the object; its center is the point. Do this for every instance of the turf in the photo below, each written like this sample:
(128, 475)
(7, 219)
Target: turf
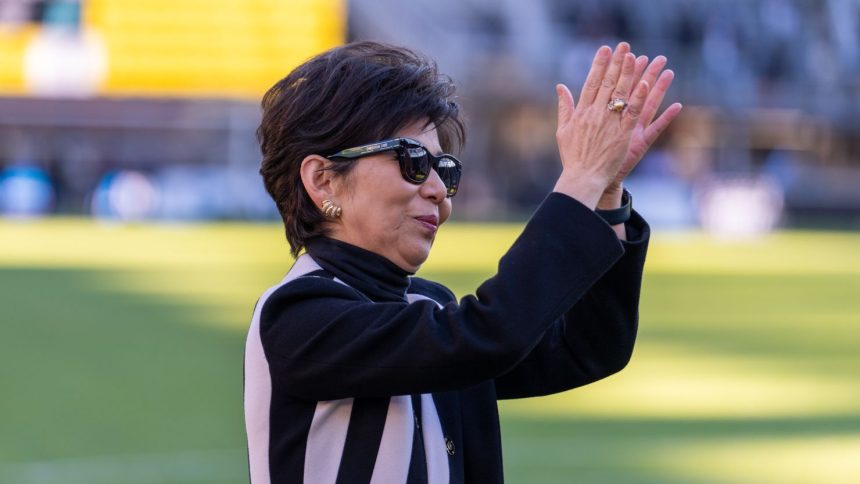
(121, 350)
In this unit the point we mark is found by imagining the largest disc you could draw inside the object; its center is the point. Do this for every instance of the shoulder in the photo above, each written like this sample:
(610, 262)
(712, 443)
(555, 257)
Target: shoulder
(431, 289)
(315, 288)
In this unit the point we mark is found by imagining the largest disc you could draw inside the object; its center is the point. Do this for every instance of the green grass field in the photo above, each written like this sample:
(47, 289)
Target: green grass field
(121, 358)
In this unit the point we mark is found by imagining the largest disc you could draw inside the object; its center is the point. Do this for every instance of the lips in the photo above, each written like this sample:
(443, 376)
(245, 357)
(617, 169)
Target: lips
(430, 220)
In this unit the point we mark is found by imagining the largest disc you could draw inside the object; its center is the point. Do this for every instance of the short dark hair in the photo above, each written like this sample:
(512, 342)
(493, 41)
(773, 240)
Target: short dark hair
(351, 95)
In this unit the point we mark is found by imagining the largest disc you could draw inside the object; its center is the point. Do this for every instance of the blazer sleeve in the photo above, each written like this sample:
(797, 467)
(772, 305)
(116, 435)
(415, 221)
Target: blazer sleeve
(324, 340)
(595, 338)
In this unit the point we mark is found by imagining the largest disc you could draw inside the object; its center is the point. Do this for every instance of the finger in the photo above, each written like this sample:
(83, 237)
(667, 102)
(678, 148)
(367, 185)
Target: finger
(565, 104)
(610, 80)
(595, 75)
(655, 97)
(655, 129)
(650, 76)
(641, 64)
(625, 82)
(653, 70)
(631, 114)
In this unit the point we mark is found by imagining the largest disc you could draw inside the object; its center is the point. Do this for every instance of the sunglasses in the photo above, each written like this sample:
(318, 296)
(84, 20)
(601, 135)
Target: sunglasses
(414, 159)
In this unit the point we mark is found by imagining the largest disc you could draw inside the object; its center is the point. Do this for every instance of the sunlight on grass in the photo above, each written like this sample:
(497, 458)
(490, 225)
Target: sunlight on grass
(460, 247)
(86, 243)
(830, 459)
(760, 335)
(780, 253)
(668, 382)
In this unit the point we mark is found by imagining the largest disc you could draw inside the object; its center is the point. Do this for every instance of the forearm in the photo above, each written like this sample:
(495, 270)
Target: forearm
(601, 328)
(594, 338)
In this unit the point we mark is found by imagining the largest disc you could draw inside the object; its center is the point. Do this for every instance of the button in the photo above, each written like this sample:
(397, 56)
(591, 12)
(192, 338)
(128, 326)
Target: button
(449, 446)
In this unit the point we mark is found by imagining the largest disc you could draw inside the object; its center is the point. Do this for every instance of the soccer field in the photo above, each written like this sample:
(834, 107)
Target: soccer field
(121, 358)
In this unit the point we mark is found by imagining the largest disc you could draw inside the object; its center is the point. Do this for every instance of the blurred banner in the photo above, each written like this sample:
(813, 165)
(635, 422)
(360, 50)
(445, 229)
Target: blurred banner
(159, 100)
(165, 48)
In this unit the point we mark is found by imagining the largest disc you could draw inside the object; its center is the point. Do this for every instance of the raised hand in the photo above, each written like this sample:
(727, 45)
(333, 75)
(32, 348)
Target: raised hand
(593, 140)
(648, 129)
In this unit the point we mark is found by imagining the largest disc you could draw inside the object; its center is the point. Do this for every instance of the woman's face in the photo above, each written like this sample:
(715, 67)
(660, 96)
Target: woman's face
(384, 213)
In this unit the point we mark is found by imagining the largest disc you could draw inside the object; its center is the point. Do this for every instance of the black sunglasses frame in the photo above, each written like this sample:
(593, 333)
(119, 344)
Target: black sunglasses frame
(409, 169)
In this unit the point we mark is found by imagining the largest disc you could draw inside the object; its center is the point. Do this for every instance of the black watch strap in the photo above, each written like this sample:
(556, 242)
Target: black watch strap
(618, 215)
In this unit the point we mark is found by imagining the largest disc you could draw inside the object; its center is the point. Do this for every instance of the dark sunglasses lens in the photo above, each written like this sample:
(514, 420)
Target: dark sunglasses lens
(449, 171)
(416, 164)
(417, 167)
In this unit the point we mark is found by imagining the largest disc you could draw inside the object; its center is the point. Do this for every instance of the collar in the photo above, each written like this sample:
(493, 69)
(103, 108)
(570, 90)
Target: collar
(375, 276)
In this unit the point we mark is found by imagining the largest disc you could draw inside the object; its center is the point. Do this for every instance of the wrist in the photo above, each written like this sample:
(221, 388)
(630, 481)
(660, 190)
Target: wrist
(611, 197)
(584, 189)
(620, 213)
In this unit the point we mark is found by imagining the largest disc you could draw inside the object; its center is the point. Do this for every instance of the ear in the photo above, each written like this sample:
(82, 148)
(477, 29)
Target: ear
(316, 179)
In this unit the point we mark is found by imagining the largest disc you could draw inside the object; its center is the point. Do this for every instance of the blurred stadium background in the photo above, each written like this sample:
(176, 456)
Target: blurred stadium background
(135, 233)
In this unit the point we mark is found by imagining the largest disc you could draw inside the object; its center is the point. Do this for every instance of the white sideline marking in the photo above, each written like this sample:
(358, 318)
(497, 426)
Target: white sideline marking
(199, 466)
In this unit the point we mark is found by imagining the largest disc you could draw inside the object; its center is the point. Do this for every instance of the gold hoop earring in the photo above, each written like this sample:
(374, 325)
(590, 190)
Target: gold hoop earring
(330, 209)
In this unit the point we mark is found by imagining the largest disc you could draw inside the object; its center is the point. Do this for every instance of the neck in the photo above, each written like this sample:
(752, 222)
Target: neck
(374, 275)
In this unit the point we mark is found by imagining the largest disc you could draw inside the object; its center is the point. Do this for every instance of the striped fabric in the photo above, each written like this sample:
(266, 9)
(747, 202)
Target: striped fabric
(340, 432)
(359, 372)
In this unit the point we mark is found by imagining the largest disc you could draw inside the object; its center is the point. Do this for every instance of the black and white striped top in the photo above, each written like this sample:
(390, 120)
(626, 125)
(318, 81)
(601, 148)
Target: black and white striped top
(355, 371)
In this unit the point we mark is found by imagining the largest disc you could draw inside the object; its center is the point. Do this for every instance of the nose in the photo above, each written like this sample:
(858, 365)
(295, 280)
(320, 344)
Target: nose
(433, 188)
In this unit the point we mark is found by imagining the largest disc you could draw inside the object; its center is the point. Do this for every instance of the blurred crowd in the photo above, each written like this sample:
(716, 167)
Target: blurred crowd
(771, 89)
(741, 54)
(771, 124)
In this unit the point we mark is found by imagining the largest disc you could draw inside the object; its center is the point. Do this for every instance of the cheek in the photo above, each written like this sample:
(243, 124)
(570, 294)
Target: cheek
(445, 209)
(387, 201)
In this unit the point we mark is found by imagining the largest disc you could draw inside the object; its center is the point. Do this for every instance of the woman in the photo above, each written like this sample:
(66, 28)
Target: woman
(356, 371)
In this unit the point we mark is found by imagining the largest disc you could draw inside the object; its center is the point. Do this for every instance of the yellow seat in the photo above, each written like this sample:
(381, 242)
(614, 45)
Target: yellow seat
(232, 48)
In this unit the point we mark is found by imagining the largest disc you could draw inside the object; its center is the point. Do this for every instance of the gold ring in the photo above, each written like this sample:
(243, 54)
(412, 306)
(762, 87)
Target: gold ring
(618, 105)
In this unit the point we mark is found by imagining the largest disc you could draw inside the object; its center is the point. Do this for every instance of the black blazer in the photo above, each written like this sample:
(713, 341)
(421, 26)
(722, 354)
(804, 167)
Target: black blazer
(355, 369)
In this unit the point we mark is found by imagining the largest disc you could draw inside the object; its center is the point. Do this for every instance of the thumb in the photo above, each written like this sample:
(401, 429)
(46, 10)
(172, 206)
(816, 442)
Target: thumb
(565, 103)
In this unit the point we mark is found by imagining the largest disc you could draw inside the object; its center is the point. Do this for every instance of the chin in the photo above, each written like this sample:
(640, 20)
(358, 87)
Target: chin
(415, 258)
